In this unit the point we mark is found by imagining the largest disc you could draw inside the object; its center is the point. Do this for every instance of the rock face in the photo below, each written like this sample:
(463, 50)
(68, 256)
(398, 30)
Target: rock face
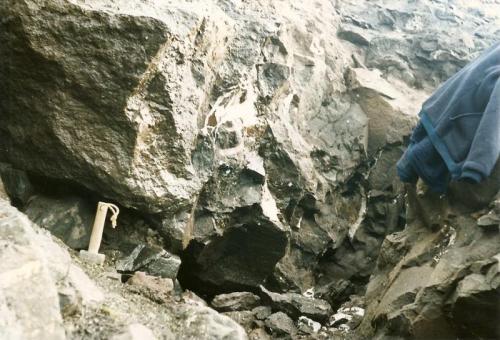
(226, 122)
(436, 284)
(258, 139)
(222, 127)
(419, 42)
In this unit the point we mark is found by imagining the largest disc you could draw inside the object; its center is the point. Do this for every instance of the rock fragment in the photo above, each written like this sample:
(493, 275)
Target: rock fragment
(308, 326)
(280, 324)
(297, 305)
(489, 221)
(199, 322)
(262, 312)
(156, 288)
(152, 260)
(238, 301)
(244, 318)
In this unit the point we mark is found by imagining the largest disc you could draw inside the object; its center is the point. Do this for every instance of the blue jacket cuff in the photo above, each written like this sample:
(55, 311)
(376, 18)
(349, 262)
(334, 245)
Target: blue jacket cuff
(476, 177)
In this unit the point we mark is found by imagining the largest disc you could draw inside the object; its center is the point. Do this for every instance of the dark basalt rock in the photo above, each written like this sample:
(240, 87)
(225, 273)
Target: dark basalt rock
(241, 258)
(152, 260)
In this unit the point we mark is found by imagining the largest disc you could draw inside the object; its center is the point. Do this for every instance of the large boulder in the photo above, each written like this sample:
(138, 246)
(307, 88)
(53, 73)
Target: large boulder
(105, 107)
(190, 113)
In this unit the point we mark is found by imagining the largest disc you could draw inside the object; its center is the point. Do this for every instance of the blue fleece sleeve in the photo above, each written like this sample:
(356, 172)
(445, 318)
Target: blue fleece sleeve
(485, 147)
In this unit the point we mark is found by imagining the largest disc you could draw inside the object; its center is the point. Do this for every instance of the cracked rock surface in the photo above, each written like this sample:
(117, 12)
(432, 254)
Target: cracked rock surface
(251, 148)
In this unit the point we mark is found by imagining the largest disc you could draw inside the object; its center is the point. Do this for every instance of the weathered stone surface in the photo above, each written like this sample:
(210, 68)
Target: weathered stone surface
(490, 220)
(419, 42)
(383, 174)
(190, 116)
(475, 303)
(152, 260)
(155, 288)
(296, 305)
(280, 324)
(262, 312)
(86, 289)
(244, 318)
(389, 109)
(237, 301)
(96, 123)
(33, 270)
(422, 275)
(68, 218)
(198, 322)
(240, 128)
(28, 296)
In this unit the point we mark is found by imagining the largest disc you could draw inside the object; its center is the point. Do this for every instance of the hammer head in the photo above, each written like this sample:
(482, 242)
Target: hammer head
(92, 257)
